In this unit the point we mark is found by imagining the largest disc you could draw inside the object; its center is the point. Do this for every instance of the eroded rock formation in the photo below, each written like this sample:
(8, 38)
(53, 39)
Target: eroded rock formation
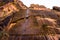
(56, 8)
(34, 23)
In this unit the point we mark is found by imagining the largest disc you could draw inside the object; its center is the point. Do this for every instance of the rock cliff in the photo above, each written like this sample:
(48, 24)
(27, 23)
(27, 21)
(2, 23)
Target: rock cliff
(34, 23)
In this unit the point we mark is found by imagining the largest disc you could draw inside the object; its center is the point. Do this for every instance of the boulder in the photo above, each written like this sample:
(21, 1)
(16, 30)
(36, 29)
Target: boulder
(56, 8)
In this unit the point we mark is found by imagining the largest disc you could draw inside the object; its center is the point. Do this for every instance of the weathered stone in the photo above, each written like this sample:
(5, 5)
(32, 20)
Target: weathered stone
(37, 7)
(56, 8)
(34, 23)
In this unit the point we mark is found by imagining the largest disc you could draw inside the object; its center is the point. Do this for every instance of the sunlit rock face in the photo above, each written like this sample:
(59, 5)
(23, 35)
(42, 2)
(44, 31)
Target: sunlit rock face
(10, 11)
(30, 27)
(8, 8)
(21, 5)
(37, 7)
(11, 8)
(34, 23)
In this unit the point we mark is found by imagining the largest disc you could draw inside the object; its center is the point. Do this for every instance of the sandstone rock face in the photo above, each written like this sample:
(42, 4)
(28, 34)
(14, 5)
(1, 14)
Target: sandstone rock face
(31, 25)
(34, 23)
(21, 5)
(9, 10)
(37, 7)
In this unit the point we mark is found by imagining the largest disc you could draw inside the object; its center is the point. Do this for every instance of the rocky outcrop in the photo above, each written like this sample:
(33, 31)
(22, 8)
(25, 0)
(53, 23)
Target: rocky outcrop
(56, 8)
(37, 7)
(22, 5)
(11, 7)
(9, 10)
(34, 23)
(31, 25)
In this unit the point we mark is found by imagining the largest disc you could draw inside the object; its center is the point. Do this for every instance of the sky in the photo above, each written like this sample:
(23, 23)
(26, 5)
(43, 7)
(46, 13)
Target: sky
(47, 3)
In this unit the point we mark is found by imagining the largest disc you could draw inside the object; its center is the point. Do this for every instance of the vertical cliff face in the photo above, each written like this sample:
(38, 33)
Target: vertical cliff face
(31, 23)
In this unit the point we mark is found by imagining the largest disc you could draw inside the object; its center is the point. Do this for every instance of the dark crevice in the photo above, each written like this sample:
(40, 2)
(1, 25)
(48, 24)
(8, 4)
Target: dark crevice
(20, 19)
(59, 38)
(5, 22)
(25, 18)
